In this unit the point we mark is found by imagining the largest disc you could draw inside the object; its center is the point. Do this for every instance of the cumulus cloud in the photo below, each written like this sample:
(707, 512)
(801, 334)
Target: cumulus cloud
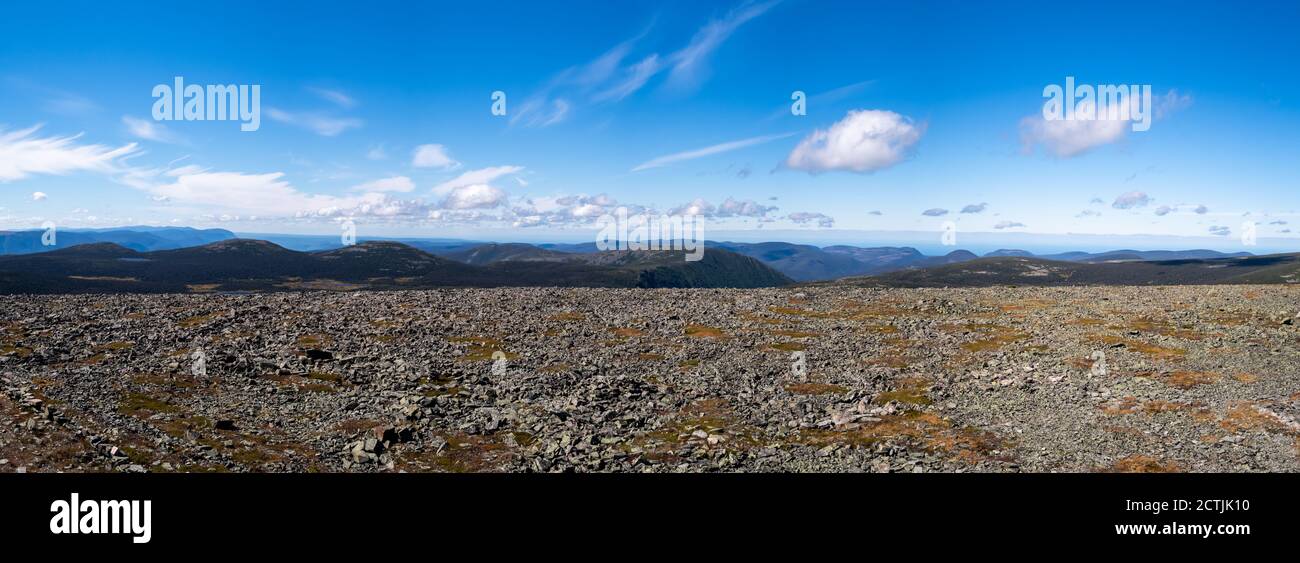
(39, 196)
(934, 212)
(1066, 138)
(975, 208)
(23, 154)
(707, 151)
(1200, 210)
(805, 217)
(1130, 200)
(730, 207)
(1070, 137)
(1164, 210)
(567, 210)
(1089, 213)
(432, 156)
(1220, 231)
(392, 184)
(1277, 222)
(321, 124)
(864, 141)
(473, 196)
(1008, 225)
(874, 213)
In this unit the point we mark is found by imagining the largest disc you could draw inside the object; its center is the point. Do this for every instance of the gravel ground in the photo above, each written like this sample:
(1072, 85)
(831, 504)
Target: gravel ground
(804, 379)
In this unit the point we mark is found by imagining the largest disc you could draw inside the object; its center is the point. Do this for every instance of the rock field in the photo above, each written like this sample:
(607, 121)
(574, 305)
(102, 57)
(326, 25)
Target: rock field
(544, 380)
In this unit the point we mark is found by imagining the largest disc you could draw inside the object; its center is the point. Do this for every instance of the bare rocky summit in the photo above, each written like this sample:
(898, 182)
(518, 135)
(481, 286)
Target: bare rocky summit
(660, 380)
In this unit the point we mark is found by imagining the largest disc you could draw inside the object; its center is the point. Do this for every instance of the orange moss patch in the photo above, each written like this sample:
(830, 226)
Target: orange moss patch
(568, 316)
(1244, 377)
(1154, 351)
(628, 332)
(785, 347)
(481, 348)
(910, 391)
(927, 430)
(994, 337)
(1189, 379)
(1142, 464)
(1249, 415)
(701, 331)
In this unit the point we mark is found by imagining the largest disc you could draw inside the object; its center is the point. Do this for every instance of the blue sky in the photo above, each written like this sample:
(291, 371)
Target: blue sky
(381, 113)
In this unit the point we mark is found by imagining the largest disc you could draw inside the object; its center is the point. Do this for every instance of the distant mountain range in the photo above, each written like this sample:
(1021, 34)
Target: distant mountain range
(254, 265)
(175, 258)
(142, 239)
(1018, 270)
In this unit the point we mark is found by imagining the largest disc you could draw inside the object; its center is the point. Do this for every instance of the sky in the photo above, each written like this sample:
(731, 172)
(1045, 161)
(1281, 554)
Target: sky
(916, 114)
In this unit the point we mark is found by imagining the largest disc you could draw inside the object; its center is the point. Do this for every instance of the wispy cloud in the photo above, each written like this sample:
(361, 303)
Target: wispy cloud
(23, 154)
(148, 129)
(690, 64)
(321, 124)
(476, 177)
(708, 151)
(617, 73)
(335, 97)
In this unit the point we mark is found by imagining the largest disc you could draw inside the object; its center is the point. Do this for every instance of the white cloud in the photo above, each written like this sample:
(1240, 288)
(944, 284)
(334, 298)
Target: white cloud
(1221, 231)
(975, 208)
(730, 207)
(1164, 210)
(864, 141)
(1065, 138)
(23, 154)
(804, 217)
(1008, 225)
(473, 177)
(935, 212)
(1130, 200)
(148, 129)
(432, 156)
(39, 196)
(689, 64)
(377, 153)
(321, 124)
(393, 184)
(335, 97)
(608, 79)
(473, 196)
(706, 151)
(634, 78)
